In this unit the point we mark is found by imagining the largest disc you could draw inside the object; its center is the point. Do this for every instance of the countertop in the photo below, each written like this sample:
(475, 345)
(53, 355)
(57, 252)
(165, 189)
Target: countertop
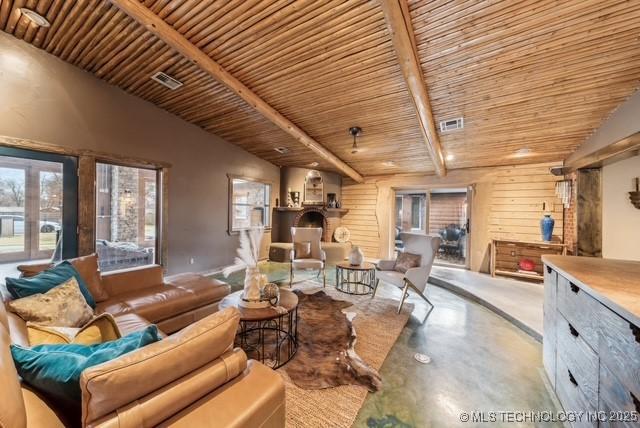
(615, 283)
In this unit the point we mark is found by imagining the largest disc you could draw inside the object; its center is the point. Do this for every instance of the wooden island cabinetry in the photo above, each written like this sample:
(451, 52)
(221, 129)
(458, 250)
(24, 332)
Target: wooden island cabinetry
(591, 338)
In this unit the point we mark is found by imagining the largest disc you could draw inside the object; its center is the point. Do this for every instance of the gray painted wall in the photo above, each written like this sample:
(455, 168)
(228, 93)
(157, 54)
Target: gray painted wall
(45, 99)
(624, 121)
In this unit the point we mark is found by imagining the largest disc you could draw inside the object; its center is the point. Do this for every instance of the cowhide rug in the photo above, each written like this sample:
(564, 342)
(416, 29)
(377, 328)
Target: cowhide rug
(326, 354)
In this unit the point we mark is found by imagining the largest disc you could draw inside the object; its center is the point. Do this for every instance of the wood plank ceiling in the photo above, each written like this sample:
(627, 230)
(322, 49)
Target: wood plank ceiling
(535, 74)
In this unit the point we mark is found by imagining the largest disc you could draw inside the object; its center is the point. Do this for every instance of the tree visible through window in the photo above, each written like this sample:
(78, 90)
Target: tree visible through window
(249, 204)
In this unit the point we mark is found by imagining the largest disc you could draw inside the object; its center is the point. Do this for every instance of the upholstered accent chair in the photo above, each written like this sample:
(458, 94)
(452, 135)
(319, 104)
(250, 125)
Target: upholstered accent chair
(307, 253)
(414, 278)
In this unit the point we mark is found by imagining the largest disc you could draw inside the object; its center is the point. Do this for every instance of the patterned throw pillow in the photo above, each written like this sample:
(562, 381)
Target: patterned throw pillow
(100, 329)
(406, 261)
(62, 306)
(302, 250)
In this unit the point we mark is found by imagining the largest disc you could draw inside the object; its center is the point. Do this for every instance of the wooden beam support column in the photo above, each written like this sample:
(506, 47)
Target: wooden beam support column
(396, 14)
(181, 44)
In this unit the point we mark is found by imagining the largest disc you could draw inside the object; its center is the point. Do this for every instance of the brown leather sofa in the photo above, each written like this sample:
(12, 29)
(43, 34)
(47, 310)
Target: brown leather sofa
(193, 378)
(171, 303)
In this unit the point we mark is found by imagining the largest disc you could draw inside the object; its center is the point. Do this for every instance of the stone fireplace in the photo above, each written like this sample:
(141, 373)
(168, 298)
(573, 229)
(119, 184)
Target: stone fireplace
(314, 217)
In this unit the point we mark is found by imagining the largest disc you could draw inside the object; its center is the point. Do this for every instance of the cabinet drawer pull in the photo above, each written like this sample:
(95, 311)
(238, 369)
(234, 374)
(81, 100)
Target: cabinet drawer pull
(548, 269)
(573, 331)
(636, 402)
(636, 332)
(574, 287)
(572, 379)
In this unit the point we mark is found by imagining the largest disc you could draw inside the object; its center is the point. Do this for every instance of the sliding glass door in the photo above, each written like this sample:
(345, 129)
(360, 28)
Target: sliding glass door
(38, 202)
(440, 212)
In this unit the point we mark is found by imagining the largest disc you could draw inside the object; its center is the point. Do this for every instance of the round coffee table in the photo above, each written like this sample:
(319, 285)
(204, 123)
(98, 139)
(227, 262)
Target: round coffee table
(269, 335)
(358, 279)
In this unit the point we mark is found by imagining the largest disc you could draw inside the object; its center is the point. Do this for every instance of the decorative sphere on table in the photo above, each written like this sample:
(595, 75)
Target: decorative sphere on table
(271, 292)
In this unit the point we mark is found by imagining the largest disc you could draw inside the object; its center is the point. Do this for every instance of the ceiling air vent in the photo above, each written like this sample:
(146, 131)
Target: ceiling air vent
(166, 80)
(451, 124)
(281, 150)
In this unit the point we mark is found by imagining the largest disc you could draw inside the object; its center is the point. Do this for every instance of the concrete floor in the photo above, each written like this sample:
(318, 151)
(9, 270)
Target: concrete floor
(519, 302)
(480, 363)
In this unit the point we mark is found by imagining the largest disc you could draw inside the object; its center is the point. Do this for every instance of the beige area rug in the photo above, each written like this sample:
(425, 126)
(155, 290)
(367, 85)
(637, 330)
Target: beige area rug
(377, 327)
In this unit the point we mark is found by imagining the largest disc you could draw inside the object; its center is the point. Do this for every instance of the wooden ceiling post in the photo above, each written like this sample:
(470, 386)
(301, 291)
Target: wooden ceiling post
(399, 24)
(156, 25)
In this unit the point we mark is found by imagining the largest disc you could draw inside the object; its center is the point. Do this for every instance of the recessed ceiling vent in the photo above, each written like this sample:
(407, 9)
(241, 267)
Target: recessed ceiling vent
(166, 80)
(451, 124)
(281, 150)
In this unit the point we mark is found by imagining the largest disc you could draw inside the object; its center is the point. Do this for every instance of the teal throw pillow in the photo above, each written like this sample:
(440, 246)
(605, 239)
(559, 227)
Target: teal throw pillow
(46, 280)
(55, 370)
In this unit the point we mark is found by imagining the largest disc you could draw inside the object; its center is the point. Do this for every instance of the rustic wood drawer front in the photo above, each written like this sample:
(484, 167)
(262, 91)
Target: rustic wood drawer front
(580, 359)
(570, 394)
(620, 406)
(549, 324)
(619, 348)
(579, 309)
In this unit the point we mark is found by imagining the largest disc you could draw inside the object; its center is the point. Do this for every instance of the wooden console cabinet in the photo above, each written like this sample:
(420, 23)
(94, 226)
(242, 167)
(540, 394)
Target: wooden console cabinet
(591, 338)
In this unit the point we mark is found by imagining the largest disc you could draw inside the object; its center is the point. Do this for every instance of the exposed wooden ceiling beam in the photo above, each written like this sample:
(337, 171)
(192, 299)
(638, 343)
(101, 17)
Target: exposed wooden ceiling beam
(622, 149)
(396, 15)
(181, 44)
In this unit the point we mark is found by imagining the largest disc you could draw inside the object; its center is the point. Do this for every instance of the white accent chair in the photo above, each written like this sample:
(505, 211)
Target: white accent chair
(318, 256)
(415, 278)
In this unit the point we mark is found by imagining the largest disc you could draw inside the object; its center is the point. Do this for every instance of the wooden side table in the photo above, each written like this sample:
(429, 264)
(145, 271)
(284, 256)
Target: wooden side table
(506, 255)
(358, 279)
(269, 335)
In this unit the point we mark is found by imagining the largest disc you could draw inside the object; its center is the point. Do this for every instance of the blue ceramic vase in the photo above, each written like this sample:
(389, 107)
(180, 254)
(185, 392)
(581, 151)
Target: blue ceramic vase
(546, 227)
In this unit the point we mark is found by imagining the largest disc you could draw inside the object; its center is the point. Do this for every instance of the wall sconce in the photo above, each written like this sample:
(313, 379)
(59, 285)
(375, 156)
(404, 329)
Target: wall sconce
(634, 197)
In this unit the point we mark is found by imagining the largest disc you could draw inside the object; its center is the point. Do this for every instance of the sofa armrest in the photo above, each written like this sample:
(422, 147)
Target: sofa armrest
(172, 398)
(117, 383)
(386, 264)
(133, 279)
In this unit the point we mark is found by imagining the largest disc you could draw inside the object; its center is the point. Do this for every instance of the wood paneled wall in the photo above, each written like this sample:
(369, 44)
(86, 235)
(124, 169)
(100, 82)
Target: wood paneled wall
(362, 220)
(518, 201)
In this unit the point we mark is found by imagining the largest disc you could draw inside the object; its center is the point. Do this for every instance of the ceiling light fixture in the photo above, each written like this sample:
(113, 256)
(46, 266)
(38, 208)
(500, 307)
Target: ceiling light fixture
(355, 132)
(523, 152)
(281, 150)
(389, 163)
(314, 164)
(35, 17)
(450, 157)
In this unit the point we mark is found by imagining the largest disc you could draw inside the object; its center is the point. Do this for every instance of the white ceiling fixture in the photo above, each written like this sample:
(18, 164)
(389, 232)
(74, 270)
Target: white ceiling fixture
(35, 17)
(314, 164)
(281, 150)
(389, 163)
(450, 157)
(166, 80)
(451, 124)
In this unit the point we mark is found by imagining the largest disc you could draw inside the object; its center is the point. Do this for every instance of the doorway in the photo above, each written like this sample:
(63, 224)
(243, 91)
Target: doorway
(38, 203)
(441, 212)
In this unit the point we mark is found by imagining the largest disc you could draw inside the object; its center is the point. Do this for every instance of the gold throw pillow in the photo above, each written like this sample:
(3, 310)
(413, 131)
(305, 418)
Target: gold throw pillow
(302, 250)
(62, 306)
(406, 261)
(100, 329)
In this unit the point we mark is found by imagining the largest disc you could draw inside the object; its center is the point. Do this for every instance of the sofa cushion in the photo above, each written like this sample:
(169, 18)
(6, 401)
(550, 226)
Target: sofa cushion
(129, 323)
(156, 303)
(100, 329)
(406, 261)
(62, 306)
(87, 267)
(55, 369)
(46, 280)
(12, 409)
(109, 386)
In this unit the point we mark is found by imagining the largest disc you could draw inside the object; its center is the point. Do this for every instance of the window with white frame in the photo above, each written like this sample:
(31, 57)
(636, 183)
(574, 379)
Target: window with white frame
(249, 203)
